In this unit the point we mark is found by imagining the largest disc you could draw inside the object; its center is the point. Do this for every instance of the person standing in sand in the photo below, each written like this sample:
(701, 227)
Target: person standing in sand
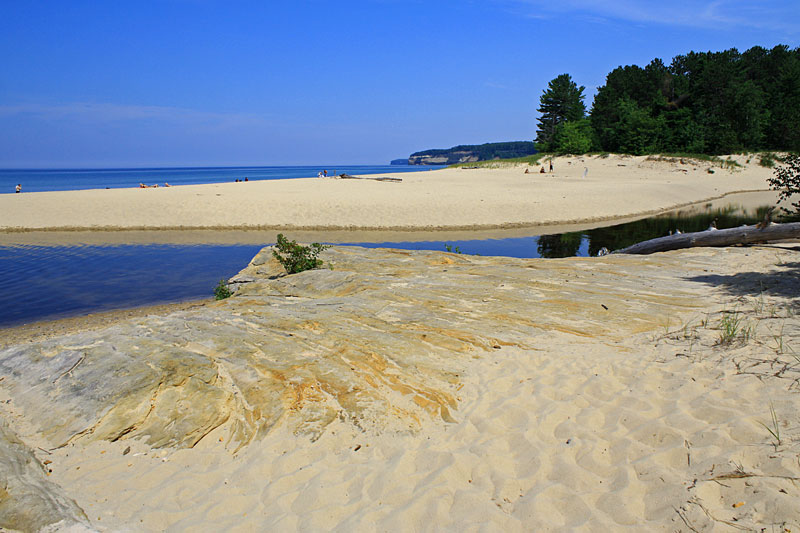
(551, 166)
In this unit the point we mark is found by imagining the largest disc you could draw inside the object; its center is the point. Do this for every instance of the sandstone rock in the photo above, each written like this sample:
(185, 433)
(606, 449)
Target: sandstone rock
(380, 340)
(28, 501)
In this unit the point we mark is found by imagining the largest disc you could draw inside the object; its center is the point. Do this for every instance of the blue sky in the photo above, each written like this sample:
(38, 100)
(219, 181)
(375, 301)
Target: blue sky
(204, 82)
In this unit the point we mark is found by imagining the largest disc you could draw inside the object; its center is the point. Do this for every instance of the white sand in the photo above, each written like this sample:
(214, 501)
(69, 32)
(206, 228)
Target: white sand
(616, 186)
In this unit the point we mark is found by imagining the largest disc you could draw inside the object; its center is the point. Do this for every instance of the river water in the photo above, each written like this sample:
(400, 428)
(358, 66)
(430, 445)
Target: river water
(44, 282)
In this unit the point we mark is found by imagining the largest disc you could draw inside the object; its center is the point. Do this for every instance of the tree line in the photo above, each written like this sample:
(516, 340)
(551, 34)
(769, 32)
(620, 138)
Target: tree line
(486, 151)
(702, 102)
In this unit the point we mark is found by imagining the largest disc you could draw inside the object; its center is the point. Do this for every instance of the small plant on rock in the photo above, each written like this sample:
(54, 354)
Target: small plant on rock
(221, 291)
(296, 257)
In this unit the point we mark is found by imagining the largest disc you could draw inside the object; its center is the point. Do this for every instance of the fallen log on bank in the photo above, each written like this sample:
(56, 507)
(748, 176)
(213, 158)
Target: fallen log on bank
(721, 237)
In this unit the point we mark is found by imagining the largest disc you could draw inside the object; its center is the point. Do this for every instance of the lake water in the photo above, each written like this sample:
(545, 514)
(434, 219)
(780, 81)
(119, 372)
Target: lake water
(47, 282)
(74, 179)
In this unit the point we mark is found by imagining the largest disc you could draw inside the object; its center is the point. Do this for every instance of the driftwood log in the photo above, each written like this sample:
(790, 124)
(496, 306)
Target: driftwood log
(722, 237)
(381, 178)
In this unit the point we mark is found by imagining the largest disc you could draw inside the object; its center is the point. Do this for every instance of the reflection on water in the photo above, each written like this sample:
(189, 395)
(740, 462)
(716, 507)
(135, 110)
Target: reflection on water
(589, 242)
(623, 235)
(46, 282)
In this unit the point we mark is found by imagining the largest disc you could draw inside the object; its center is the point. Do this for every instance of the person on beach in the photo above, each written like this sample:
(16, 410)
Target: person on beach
(541, 170)
(142, 186)
(167, 184)
(325, 172)
(18, 188)
(319, 174)
(551, 165)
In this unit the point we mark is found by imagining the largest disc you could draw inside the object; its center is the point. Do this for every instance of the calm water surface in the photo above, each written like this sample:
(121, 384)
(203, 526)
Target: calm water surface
(46, 282)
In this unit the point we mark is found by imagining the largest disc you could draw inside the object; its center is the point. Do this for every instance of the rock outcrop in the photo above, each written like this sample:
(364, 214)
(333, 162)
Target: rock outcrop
(381, 339)
(449, 158)
(28, 501)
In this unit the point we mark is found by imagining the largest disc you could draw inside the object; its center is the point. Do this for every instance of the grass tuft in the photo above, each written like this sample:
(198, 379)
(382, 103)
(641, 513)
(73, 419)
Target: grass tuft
(774, 428)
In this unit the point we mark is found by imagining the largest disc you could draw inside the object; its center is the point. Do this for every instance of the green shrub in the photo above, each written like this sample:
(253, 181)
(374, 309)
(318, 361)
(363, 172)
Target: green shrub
(767, 160)
(296, 257)
(574, 137)
(221, 291)
(787, 181)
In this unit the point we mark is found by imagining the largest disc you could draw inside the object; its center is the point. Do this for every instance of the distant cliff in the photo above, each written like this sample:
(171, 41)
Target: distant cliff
(399, 161)
(471, 153)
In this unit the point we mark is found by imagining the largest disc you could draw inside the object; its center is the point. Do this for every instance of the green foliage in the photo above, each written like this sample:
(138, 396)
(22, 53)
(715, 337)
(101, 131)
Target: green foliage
(487, 151)
(456, 250)
(560, 245)
(710, 102)
(296, 257)
(767, 159)
(685, 158)
(221, 291)
(561, 102)
(787, 180)
(574, 137)
(639, 132)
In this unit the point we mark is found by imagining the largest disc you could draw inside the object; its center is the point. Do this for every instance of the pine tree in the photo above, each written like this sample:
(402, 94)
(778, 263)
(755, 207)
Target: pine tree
(561, 102)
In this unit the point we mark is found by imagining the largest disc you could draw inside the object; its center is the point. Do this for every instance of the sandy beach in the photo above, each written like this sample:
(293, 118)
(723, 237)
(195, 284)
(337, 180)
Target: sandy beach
(416, 391)
(450, 199)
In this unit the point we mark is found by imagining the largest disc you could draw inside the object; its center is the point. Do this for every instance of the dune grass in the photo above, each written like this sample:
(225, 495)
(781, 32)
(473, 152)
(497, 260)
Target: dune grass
(765, 159)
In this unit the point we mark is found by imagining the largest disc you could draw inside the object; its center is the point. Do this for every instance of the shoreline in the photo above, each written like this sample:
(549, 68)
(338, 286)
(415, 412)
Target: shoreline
(409, 228)
(41, 330)
(746, 199)
(582, 190)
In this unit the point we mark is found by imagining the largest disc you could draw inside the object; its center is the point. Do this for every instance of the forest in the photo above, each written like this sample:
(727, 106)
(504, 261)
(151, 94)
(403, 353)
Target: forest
(702, 102)
(481, 152)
